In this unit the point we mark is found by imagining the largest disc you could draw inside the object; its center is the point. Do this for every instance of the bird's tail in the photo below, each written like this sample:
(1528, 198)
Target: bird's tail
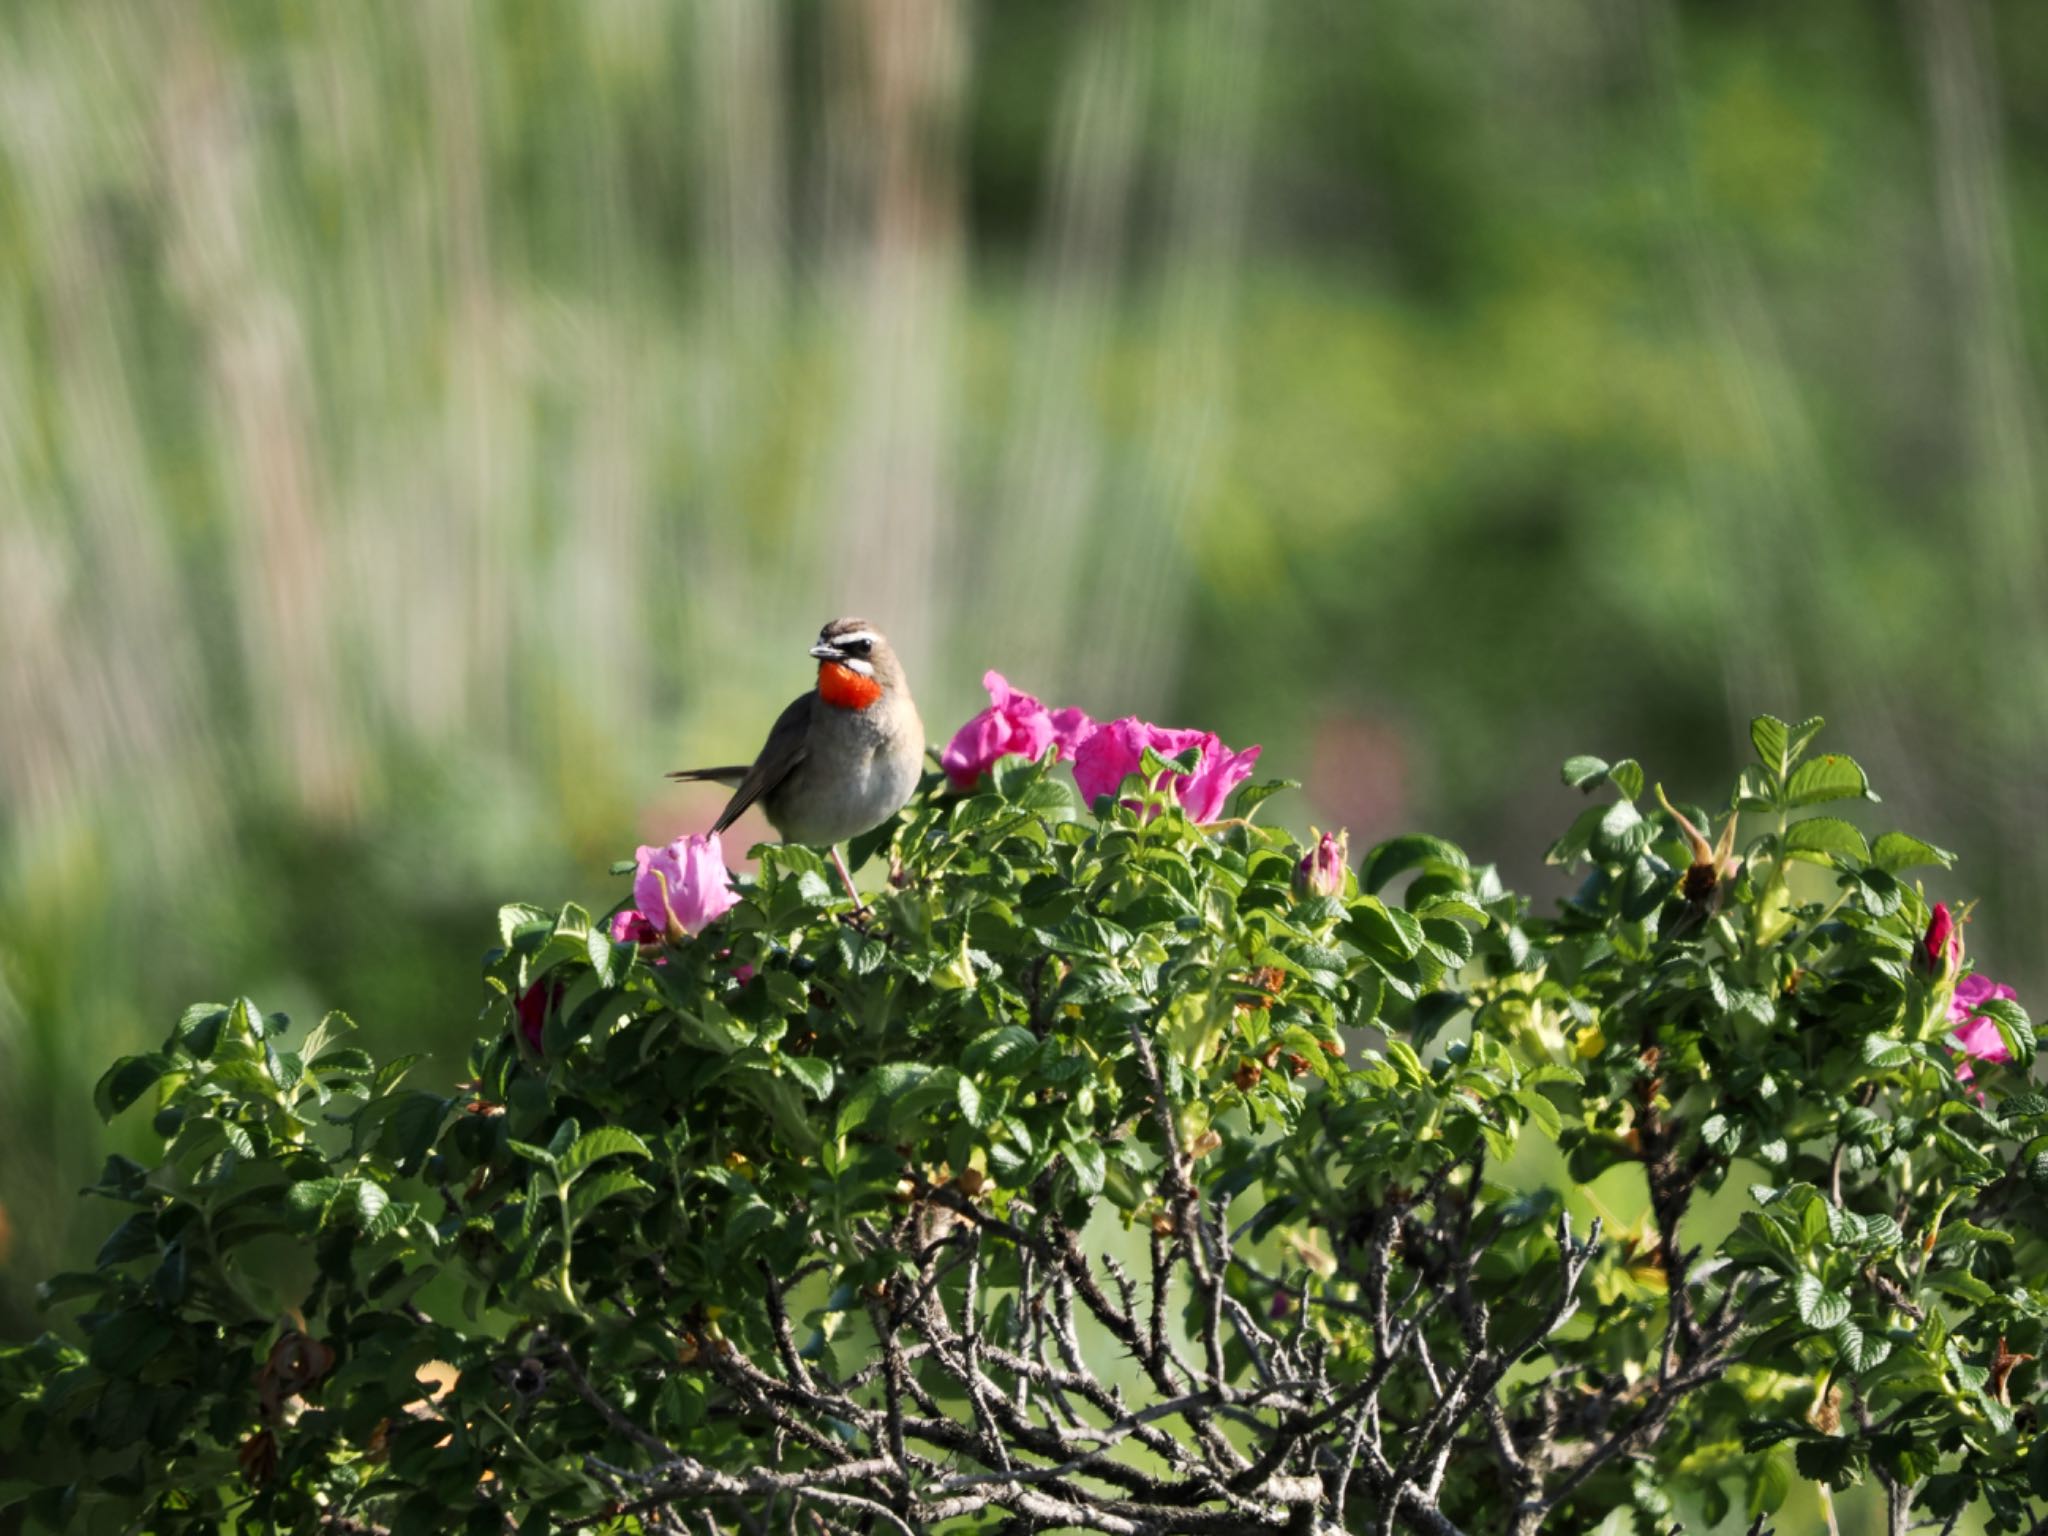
(730, 777)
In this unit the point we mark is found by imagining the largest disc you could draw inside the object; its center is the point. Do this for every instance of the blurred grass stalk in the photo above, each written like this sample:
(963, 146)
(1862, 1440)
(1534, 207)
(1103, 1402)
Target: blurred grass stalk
(355, 417)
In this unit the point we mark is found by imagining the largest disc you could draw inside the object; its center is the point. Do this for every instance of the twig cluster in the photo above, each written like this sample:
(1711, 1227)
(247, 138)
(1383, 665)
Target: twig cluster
(1230, 1413)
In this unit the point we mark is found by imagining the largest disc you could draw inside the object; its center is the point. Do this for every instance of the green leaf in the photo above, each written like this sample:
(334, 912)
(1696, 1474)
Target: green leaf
(1827, 1460)
(591, 1146)
(132, 1239)
(1585, 772)
(1771, 737)
(878, 1090)
(1542, 1113)
(1372, 922)
(284, 1067)
(1884, 1053)
(1802, 736)
(995, 1051)
(1860, 1351)
(1627, 776)
(1832, 777)
(1769, 1484)
(532, 1153)
(127, 1341)
(126, 1081)
(1955, 1232)
(1620, 834)
(368, 1199)
(814, 1074)
(1778, 745)
(393, 1072)
(1825, 838)
(968, 1097)
(1088, 1163)
(1250, 797)
(1895, 851)
(594, 1191)
(1412, 852)
(331, 1029)
(199, 1029)
(2014, 1027)
(516, 917)
(1818, 1306)
(598, 945)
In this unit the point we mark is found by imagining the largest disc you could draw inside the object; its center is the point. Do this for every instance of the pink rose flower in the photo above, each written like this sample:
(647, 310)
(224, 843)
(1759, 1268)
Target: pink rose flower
(1113, 752)
(632, 926)
(1321, 871)
(1977, 1034)
(1013, 722)
(683, 888)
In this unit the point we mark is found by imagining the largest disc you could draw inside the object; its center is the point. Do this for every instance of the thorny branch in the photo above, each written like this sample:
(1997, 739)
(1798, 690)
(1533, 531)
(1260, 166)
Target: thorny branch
(1007, 1370)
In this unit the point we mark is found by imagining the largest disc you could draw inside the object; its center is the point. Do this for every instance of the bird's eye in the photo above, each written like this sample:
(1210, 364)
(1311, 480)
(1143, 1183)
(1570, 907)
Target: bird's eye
(856, 647)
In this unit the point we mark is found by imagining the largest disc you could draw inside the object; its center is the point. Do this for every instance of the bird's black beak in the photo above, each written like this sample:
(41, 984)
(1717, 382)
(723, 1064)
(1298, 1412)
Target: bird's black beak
(825, 651)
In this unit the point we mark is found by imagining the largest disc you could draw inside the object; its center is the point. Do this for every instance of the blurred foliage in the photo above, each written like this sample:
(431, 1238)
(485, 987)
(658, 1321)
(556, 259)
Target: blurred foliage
(419, 426)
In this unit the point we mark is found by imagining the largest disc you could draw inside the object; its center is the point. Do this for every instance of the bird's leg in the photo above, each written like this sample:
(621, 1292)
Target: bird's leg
(846, 875)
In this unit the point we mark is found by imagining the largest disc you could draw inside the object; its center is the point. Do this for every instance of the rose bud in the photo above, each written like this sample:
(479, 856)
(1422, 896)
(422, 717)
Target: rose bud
(1321, 871)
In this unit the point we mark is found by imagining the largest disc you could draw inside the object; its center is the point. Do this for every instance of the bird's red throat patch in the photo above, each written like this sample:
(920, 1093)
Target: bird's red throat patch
(844, 688)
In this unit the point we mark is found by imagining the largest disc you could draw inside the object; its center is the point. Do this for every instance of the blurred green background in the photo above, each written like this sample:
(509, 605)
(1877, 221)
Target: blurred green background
(423, 423)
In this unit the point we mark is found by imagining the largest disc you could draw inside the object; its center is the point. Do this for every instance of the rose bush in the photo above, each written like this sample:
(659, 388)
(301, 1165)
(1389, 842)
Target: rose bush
(1144, 1171)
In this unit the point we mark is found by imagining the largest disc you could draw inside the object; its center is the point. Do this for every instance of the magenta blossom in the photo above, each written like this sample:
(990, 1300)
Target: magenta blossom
(1321, 871)
(683, 888)
(1977, 1033)
(1113, 752)
(632, 926)
(1013, 723)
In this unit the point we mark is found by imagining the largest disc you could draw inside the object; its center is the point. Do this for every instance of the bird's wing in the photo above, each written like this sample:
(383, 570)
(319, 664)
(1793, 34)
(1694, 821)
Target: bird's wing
(787, 743)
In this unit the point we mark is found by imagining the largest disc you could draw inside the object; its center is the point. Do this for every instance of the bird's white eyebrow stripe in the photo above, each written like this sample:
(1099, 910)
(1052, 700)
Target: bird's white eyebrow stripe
(867, 635)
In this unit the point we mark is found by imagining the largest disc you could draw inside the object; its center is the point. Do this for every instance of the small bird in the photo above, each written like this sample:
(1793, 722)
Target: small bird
(842, 758)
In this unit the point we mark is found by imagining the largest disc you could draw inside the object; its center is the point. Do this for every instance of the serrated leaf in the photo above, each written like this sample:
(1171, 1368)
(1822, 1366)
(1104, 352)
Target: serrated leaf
(815, 1075)
(368, 1200)
(1831, 777)
(1620, 834)
(1772, 738)
(392, 1072)
(1543, 1114)
(591, 1146)
(968, 1097)
(1584, 772)
(1828, 837)
(1088, 1164)
(1411, 852)
(1957, 1231)
(1827, 1460)
(1860, 1351)
(1818, 1306)
(2014, 1027)
(1894, 851)
(594, 1191)
(1249, 797)
(126, 1081)
(517, 916)
(995, 1050)
(1370, 921)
